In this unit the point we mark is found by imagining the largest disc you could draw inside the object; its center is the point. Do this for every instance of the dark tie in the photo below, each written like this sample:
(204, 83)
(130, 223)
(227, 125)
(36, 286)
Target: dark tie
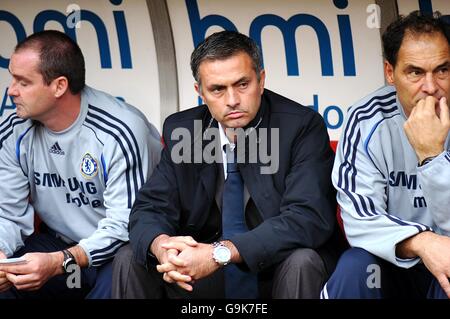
(238, 284)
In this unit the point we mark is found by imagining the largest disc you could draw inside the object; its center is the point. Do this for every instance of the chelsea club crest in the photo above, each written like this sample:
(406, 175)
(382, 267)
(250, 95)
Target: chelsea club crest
(89, 166)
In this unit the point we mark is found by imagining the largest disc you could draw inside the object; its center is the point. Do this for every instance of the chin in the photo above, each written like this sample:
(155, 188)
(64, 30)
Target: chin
(238, 124)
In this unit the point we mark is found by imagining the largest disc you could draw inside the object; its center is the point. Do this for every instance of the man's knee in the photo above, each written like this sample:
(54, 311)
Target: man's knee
(355, 262)
(352, 277)
(300, 275)
(303, 259)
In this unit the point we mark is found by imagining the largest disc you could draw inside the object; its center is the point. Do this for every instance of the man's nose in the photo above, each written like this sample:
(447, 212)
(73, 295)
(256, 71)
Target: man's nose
(429, 85)
(233, 99)
(12, 89)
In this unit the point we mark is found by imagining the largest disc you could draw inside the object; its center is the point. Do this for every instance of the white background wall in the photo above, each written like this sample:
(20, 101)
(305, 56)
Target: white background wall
(140, 86)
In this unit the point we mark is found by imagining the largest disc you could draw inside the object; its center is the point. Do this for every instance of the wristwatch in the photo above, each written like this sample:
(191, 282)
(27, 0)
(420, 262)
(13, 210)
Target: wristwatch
(69, 260)
(221, 254)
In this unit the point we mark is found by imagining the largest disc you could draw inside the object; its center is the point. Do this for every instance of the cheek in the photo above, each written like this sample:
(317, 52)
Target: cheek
(445, 85)
(215, 110)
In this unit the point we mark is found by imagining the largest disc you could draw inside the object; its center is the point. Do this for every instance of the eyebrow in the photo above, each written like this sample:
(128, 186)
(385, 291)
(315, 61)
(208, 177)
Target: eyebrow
(220, 86)
(243, 79)
(18, 77)
(443, 65)
(414, 67)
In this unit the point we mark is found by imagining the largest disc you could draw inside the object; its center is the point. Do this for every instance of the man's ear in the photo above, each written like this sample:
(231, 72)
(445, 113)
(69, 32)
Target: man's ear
(198, 90)
(61, 85)
(262, 80)
(389, 72)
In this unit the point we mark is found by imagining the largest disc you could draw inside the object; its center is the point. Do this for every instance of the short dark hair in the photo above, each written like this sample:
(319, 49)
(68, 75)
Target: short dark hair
(415, 23)
(222, 45)
(59, 55)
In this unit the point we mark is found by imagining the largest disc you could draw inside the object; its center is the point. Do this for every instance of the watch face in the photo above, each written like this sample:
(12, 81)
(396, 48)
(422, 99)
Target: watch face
(222, 254)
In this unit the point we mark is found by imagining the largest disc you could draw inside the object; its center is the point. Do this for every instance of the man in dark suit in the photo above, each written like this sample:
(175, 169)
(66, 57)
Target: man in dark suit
(288, 197)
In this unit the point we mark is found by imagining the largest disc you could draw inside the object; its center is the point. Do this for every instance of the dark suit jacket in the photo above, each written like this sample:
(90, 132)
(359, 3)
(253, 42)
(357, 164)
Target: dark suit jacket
(294, 207)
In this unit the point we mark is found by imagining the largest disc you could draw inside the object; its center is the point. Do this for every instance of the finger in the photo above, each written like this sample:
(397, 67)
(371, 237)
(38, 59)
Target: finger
(167, 278)
(176, 276)
(190, 241)
(11, 277)
(175, 245)
(165, 267)
(445, 284)
(18, 280)
(172, 252)
(185, 286)
(430, 104)
(177, 261)
(14, 269)
(419, 106)
(444, 112)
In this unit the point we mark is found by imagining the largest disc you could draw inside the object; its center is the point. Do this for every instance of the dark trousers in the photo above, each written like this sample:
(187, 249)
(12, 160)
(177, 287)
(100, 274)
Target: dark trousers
(95, 281)
(301, 275)
(361, 275)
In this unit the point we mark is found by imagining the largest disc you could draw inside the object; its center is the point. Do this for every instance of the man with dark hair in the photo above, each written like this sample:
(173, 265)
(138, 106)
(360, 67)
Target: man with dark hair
(76, 157)
(392, 172)
(220, 219)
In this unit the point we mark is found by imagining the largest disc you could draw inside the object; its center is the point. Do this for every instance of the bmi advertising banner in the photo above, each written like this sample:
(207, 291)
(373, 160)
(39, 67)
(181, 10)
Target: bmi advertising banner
(115, 36)
(322, 53)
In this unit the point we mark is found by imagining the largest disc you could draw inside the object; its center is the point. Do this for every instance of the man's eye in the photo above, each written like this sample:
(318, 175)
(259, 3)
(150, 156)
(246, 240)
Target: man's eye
(414, 75)
(443, 73)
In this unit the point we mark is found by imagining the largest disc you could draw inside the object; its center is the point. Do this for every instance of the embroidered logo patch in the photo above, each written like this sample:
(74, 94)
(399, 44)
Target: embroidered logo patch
(89, 166)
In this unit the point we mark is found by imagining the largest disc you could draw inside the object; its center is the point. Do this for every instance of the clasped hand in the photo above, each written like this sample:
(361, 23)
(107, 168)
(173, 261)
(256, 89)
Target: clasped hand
(183, 260)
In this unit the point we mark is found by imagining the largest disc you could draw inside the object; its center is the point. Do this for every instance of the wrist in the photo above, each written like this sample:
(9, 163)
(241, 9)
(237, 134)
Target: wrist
(426, 160)
(57, 261)
(428, 155)
(413, 246)
(235, 256)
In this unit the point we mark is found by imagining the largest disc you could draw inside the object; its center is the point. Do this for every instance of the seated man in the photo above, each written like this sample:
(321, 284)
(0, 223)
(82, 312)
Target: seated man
(392, 172)
(254, 226)
(75, 155)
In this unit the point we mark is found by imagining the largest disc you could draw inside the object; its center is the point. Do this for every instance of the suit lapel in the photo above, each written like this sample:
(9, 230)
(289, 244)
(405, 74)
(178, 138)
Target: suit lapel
(260, 186)
(206, 172)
